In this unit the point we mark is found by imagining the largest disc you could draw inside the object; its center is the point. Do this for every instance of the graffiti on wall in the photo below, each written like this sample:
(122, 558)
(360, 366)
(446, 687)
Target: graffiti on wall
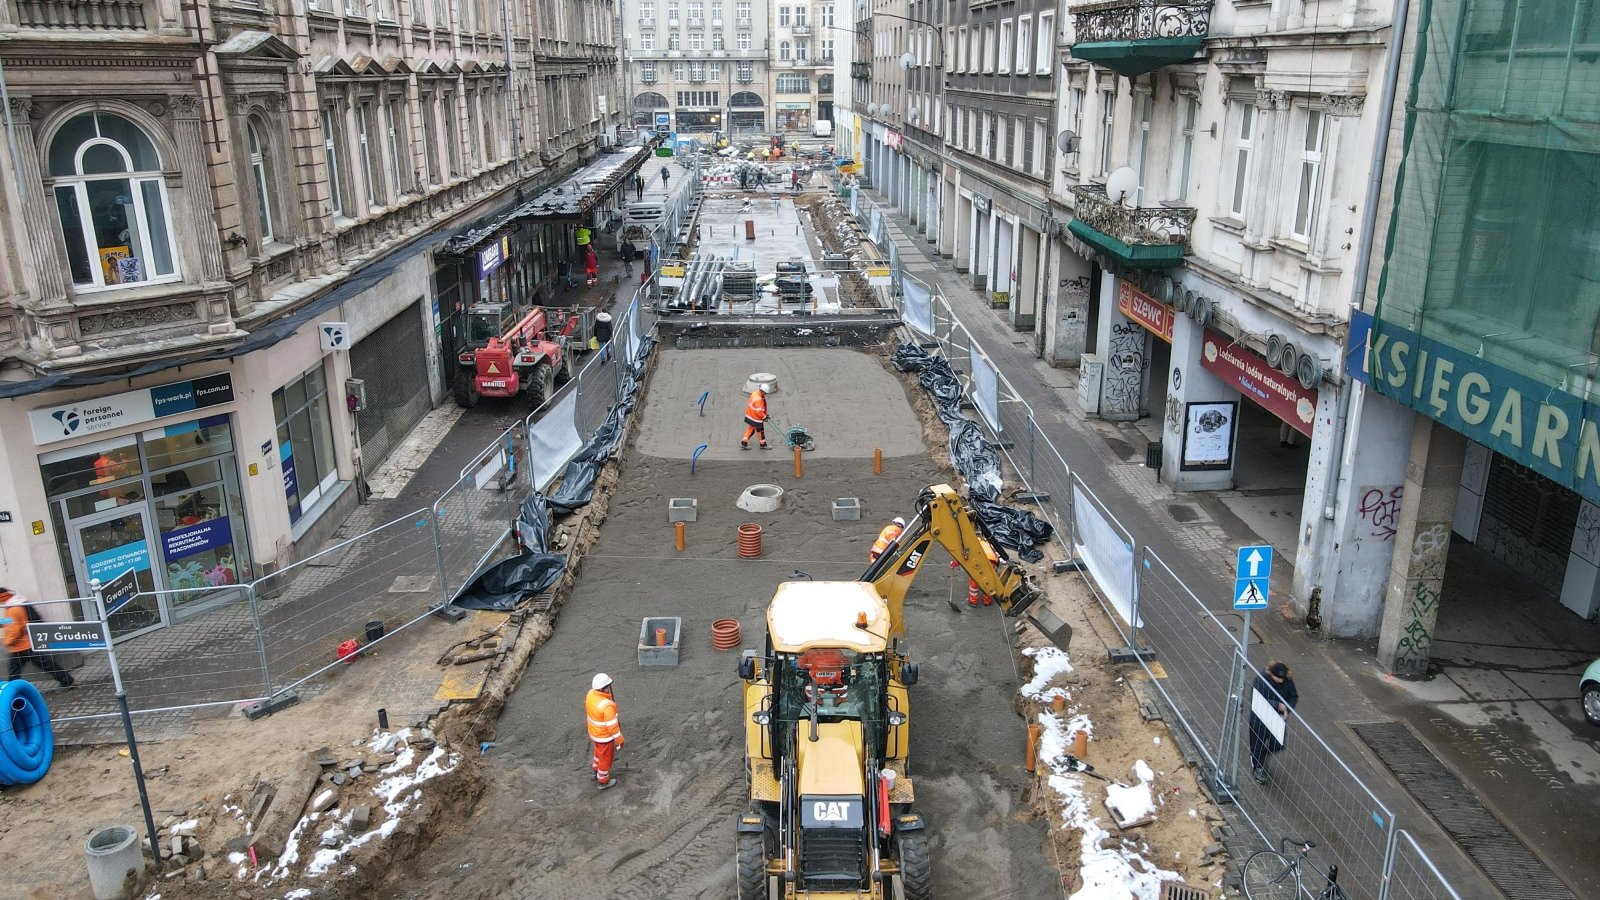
(1380, 510)
(1423, 584)
(1124, 368)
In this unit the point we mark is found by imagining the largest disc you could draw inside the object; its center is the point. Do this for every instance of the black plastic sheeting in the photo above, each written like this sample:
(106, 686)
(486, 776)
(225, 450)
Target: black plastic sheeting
(577, 480)
(974, 457)
(532, 527)
(507, 583)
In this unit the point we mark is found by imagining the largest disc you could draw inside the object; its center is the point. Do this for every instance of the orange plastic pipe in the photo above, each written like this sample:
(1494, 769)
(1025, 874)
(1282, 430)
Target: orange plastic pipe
(1080, 744)
(1033, 748)
(877, 461)
(798, 466)
(679, 529)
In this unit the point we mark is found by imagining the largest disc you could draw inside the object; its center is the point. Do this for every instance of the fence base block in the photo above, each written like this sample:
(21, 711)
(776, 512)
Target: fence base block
(1222, 790)
(449, 613)
(1131, 655)
(1035, 497)
(1063, 566)
(271, 705)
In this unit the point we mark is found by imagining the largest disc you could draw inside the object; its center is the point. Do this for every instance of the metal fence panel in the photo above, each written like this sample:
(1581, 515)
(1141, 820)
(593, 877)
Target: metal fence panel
(1413, 875)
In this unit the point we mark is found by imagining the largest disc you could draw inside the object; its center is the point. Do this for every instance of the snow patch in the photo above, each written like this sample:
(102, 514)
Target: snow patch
(1115, 871)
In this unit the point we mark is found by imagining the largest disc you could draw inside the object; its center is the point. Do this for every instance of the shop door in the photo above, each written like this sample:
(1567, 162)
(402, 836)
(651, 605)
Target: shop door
(110, 542)
(393, 362)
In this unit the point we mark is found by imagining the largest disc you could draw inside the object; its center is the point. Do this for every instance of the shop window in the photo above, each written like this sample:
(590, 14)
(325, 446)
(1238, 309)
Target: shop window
(305, 441)
(187, 442)
(95, 465)
(112, 199)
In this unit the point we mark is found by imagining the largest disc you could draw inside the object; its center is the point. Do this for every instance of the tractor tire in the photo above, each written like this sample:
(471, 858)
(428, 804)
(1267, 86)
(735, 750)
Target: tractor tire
(568, 365)
(466, 396)
(916, 867)
(540, 385)
(751, 863)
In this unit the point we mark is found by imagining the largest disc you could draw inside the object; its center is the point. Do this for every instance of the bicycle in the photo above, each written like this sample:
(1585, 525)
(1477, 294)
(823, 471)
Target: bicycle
(1275, 875)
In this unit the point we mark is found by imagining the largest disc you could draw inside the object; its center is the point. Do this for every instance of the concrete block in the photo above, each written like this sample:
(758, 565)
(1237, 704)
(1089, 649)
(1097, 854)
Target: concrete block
(761, 498)
(323, 800)
(652, 653)
(847, 509)
(682, 509)
(361, 819)
(271, 705)
(288, 799)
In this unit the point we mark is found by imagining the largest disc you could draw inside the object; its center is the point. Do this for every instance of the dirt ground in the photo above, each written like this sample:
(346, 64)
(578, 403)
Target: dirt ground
(666, 830)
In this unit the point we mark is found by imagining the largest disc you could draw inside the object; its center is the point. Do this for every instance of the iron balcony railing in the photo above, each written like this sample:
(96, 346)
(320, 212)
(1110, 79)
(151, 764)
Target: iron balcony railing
(1133, 225)
(1140, 20)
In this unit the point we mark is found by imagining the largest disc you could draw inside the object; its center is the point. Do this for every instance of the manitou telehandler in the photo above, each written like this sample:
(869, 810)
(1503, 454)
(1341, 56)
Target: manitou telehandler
(513, 351)
(827, 734)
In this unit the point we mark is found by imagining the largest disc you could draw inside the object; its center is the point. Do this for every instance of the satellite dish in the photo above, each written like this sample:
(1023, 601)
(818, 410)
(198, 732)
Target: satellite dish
(913, 114)
(1121, 184)
(872, 109)
(1067, 142)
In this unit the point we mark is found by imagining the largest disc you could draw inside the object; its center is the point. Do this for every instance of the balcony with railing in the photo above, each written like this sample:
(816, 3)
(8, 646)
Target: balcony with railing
(861, 70)
(647, 21)
(1132, 37)
(696, 22)
(83, 15)
(801, 29)
(1140, 237)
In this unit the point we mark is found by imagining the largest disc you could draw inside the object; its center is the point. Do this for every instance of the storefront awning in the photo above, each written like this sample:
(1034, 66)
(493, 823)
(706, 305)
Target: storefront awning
(569, 201)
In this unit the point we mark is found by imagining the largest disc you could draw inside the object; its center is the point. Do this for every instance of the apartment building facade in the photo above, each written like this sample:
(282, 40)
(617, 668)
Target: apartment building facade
(699, 66)
(221, 226)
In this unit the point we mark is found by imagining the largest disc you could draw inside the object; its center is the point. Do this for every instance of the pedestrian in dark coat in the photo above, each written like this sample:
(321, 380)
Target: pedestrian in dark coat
(1277, 689)
(627, 257)
(638, 186)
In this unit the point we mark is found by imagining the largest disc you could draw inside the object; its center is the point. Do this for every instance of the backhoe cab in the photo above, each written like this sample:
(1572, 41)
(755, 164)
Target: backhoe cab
(827, 734)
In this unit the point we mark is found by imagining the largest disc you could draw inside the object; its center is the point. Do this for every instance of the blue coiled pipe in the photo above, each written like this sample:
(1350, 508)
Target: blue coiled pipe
(27, 742)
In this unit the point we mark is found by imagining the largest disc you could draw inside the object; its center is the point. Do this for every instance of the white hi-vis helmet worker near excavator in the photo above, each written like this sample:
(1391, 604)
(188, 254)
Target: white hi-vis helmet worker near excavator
(601, 682)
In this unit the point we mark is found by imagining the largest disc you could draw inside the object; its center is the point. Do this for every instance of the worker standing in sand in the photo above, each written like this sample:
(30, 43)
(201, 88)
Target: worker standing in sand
(604, 731)
(755, 417)
(887, 536)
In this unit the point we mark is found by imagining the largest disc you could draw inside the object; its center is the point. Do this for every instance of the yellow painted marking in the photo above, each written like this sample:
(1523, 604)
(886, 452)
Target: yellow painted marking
(466, 682)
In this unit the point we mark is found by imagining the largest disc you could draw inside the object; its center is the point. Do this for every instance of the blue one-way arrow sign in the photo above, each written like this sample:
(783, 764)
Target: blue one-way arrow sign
(1252, 577)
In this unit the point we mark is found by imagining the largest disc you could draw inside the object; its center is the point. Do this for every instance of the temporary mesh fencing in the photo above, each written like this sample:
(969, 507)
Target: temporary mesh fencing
(252, 640)
(1189, 654)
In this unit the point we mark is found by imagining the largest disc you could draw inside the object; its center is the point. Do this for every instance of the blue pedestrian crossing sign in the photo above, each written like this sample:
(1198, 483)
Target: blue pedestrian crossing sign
(1253, 577)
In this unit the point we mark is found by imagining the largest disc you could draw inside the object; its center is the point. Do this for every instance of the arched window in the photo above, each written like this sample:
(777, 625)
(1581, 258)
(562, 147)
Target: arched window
(746, 99)
(112, 200)
(783, 50)
(261, 174)
(650, 100)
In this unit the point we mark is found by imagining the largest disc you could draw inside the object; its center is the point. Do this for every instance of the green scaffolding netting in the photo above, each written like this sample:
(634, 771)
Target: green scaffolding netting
(1490, 294)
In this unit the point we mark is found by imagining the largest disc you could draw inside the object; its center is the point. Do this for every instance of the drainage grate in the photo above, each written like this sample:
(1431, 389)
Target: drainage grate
(1171, 890)
(1505, 859)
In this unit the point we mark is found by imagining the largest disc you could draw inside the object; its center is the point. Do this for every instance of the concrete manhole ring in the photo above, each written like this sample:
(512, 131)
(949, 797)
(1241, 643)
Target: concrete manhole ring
(761, 498)
(758, 380)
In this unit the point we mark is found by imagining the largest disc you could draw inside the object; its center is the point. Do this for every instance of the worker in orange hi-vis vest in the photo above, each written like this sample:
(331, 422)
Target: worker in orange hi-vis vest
(974, 596)
(885, 538)
(605, 734)
(755, 417)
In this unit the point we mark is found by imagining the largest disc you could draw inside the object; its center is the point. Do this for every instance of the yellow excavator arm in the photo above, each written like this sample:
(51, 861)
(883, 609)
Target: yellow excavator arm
(942, 516)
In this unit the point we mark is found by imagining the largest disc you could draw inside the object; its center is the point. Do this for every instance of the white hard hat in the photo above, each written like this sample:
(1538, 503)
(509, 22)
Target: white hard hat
(601, 680)
(899, 521)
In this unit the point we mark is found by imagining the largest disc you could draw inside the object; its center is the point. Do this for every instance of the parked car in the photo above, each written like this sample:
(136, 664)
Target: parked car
(1589, 689)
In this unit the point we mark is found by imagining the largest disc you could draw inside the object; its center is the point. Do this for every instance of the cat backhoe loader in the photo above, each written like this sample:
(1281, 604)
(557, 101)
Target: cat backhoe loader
(827, 735)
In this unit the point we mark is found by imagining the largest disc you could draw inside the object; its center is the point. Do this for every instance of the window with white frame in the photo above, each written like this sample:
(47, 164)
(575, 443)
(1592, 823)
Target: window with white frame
(1010, 142)
(647, 9)
(261, 175)
(399, 145)
(1305, 207)
(741, 11)
(112, 199)
(1108, 110)
(1039, 139)
(802, 50)
(1241, 158)
(783, 16)
(1141, 146)
(331, 120)
(715, 71)
(697, 41)
(827, 48)
(419, 12)
(1188, 109)
(305, 440)
(1004, 62)
(647, 41)
(386, 10)
(800, 16)
(744, 40)
(784, 50)
(1024, 44)
(430, 137)
(674, 41)
(716, 40)
(452, 135)
(368, 151)
(1045, 49)
(988, 49)
(825, 16)
(680, 71)
(355, 8)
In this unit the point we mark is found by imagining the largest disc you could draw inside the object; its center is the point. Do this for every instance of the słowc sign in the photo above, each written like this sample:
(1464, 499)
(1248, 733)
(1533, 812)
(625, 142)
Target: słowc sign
(1549, 430)
(60, 423)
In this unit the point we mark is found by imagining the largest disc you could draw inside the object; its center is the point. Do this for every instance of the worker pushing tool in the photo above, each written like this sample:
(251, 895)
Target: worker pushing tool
(755, 417)
(885, 538)
(974, 595)
(604, 731)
